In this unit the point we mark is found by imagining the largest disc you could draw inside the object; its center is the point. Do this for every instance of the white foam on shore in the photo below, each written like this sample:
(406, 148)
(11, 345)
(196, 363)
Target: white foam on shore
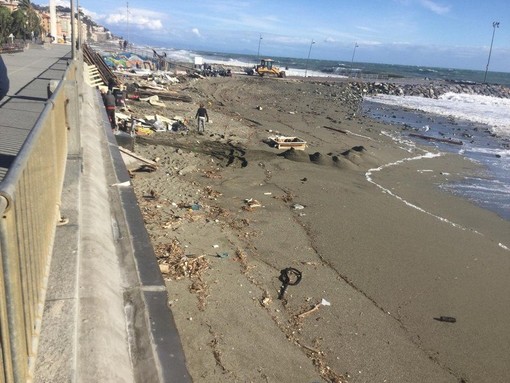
(427, 155)
(288, 71)
(188, 56)
(492, 111)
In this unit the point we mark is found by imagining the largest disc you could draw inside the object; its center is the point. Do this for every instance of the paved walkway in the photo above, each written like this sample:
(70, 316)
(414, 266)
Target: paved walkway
(106, 317)
(29, 74)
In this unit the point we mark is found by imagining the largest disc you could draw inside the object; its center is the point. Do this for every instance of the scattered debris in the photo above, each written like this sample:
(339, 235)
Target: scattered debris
(266, 299)
(133, 160)
(123, 184)
(446, 319)
(438, 139)
(323, 302)
(283, 142)
(289, 277)
(251, 204)
(174, 264)
(308, 312)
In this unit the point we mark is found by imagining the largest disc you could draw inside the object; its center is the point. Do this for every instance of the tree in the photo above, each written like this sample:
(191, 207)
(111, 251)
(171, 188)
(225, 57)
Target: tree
(25, 21)
(5, 24)
(34, 23)
(25, 5)
(19, 24)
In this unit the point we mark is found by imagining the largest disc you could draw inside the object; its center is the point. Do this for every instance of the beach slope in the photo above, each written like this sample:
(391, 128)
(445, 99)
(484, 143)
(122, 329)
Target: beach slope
(384, 255)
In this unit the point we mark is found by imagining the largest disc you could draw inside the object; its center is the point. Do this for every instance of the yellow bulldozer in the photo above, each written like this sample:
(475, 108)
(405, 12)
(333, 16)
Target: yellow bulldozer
(266, 67)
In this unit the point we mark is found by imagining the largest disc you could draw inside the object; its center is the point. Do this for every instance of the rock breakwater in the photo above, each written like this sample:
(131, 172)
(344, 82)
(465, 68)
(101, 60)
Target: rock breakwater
(430, 90)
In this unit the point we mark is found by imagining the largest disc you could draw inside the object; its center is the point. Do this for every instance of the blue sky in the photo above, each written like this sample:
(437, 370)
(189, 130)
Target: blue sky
(441, 33)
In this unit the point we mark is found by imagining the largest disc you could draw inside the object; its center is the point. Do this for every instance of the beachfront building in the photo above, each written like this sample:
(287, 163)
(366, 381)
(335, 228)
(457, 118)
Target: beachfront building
(45, 23)
(99, 34)
(63, 26)
(12, 5)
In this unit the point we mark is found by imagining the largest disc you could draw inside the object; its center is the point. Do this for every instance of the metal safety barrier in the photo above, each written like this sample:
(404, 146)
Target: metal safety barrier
(29, 212)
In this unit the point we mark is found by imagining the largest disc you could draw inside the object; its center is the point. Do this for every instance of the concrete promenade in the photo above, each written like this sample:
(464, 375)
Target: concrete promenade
(106, 316)
(29, 74)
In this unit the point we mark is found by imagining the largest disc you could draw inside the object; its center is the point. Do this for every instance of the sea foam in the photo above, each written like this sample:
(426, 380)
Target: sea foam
(492, 111)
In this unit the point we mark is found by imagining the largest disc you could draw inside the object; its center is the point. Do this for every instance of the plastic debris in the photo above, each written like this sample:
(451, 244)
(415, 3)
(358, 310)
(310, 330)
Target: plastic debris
(123, 184)
(251, 203)
(325, 302)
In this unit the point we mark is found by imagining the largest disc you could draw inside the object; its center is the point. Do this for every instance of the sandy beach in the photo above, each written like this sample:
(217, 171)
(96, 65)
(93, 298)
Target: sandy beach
(383, 252)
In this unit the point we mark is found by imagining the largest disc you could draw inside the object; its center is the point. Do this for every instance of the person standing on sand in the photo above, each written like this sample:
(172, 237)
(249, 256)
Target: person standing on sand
(202, 116)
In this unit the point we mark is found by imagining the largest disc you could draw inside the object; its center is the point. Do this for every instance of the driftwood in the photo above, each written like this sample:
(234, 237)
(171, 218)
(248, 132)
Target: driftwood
(167, 96)
(313, 309)
(430, 138)
(143, 164)
(336, 130)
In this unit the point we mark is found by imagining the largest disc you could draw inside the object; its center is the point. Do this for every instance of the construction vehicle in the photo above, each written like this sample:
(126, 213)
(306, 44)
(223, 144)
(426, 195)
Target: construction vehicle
(266, 67)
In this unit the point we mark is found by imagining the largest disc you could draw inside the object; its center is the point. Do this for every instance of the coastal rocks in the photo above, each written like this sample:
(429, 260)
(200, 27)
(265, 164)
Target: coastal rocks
(429, 90)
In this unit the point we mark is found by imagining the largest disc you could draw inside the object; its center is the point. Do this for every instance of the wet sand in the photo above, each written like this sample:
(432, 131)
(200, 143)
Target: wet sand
(359, 214)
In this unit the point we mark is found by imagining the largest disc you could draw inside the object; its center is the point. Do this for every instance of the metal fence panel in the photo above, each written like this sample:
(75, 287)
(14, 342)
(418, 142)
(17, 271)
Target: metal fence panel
(29, 211)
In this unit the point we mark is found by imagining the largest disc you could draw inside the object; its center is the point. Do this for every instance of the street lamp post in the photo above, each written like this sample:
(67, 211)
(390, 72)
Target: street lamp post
(78, 37)
(73, 32)
(495, 25)
(258, 50)
(353, 53)
(308, 58)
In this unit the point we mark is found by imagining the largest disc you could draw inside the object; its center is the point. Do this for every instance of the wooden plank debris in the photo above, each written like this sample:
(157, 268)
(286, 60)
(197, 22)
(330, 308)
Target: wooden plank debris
(438, 139)
(283, 142)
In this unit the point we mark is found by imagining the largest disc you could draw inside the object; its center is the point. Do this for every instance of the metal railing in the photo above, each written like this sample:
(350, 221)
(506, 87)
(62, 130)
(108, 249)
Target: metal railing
(29, 212)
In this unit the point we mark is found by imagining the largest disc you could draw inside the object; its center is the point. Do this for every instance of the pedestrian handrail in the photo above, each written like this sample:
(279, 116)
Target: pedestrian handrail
(29, 212)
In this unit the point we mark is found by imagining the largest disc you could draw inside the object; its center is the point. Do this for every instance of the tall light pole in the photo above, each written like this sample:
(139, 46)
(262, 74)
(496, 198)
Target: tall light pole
(495, 25)
(308, 58)
(73, 32)
(258, 50)
(78, 25)
(353, 53)
(127, 21)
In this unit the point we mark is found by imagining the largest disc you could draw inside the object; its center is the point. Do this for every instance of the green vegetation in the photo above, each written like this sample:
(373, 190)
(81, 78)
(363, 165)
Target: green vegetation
(23, 23)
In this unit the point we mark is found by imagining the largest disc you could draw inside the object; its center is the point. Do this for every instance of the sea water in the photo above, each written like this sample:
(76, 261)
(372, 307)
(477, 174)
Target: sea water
(328, 68)
(481, 123)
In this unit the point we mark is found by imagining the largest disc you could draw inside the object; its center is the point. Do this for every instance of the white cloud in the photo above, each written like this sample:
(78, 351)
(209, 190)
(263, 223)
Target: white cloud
(139, 18)
(196, 32)
(435, 7)
(61, 3)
